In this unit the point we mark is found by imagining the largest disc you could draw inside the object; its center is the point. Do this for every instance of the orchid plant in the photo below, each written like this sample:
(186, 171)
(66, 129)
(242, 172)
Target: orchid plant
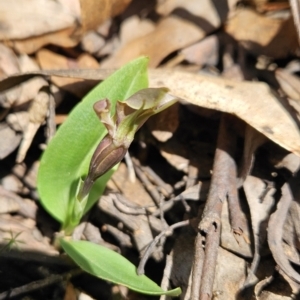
(81, 157)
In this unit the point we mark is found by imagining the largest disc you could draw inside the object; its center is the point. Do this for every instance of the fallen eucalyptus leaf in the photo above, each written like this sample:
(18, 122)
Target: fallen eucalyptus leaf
(253, 102)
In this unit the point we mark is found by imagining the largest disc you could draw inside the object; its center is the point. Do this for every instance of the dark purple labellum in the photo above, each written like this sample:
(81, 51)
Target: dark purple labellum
(106, 156)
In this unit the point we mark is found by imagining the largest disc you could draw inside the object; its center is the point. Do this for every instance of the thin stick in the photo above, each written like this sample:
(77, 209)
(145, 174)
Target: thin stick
(165, 282)
(32, 286)
(209, 226)
(147, 184)
(151, 246)
(130, 168)
(197, 266)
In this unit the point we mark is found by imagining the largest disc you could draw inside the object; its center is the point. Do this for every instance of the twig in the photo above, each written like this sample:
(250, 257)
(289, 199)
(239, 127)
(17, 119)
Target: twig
(130, 168)
(275, 232)
(148, 185)
(295, 11)
(120, 236)
(165, 283)
(127, 207)
(192, 193)
(51, 126)
(165, 188)
(209, 227)
(32, 286)
(151, 246)
(197, 266)
(192, 176)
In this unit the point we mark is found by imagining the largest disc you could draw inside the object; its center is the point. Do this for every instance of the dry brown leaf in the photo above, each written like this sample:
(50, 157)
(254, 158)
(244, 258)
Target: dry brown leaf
(27, 208)
(295, 7)
(260, 209)
(229, 240)
(92, 42)
(11, 138)
(8, 61)
(263, 35)
(71, 293)
(164, 124)
(205, 52)
(18, 121)
(210, 14)
(133, 191)
(290, 162)
(95, 12)
(37, 114)
(30, 88)
(63, 38)
(253, 102)
(8, 65)
(253, 140)
(171, 34)
(7, 205)
(289, 83)
(29, 237)
(50, 60)
(26, 18)
(134, 28)
(141, 227)
(275, 229)
(266, 295)
(226, 283)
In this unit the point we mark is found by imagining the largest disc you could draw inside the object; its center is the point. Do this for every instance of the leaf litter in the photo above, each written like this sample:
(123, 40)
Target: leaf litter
(225, 61)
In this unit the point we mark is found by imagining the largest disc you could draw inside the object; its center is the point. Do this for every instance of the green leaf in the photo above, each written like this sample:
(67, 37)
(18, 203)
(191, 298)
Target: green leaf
(67, 156)
(109, 265)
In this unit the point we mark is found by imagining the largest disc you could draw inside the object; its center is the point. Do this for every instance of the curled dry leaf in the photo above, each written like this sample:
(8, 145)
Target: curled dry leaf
(32, 18)
(290, 162)
(253, 102)
(8, 61)
(92, 42)
(37, 115)
(205, 52)
(289, 83)
(254, 189)
(226, 283)
(163, 125)
(133, 191)
(210, 14)
(171, 34)
(50, 60)
(263, 35)
(8, 65)
(11, 138)
(94, 13)
(8, 205)
(253, 140)
(234, 243)
(133, 28)
(275, 231)
(64, 38)
(140, 226)
(27, 236)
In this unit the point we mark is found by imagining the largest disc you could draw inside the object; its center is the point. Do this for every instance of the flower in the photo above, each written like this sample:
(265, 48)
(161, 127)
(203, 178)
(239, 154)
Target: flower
(130, 115)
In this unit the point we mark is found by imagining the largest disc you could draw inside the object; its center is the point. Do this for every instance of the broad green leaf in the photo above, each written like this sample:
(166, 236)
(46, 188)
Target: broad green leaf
(109, 265)
(67, 156)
